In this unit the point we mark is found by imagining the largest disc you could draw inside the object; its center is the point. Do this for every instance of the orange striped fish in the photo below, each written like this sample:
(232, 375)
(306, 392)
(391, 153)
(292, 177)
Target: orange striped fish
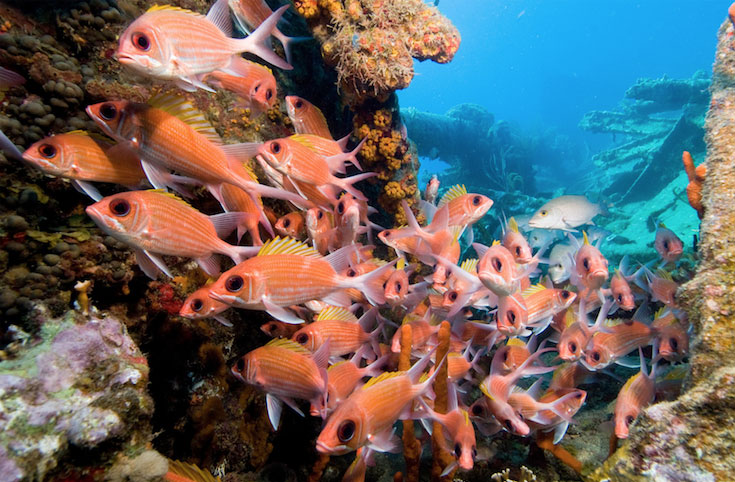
(672, 337)
(254, 84)
(157, 223)
(605, 348)
(361, 269)
(421, 331)
(170, 135)
(543, 303)
(464, 208)
(291, 225)
(299, 163)
(637, 393)
(319, 227)
(496, 269)
(250, 14)
(84, 158)
(569, 375)
(235, 199)
(552, 411)
(279, 329)
(171, 43)
(200, 305)
(306, 117)
(516, 243)
(344, 376)
(367, 416)
(286, 371)
(286, 272)
(346, 334)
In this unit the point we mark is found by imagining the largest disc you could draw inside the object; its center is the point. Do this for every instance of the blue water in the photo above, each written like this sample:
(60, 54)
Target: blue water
(544, 63)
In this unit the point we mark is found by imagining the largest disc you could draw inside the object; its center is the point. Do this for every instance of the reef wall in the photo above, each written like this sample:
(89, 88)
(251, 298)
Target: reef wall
(692, 438)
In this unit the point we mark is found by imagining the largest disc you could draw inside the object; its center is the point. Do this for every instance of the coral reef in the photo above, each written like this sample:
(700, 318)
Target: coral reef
(688, 439)
(80, 386)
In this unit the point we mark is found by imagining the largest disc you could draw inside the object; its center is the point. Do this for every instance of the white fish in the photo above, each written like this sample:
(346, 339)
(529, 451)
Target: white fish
(542, 237)
(560, 262)
(565, 213)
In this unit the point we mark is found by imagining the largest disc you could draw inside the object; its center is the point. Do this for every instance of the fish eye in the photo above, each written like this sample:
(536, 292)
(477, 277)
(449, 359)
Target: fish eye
(341, 208)
(47, 150)
(497, 264)
(351, 273)
(629, 419)
(511, 317)
(398, 286)
(256, 88)
(320, 215)
(302, 338)
(505, 356)
(234, 283)
(240, 365)
(544, 212)
(286, 223)
(586, 263)
(596, 356)
(272, 328)
(119, 207)
(298, 104)
(565, 294)
(558, 266)
(108, 111)
(197, 304)
(453, 296)
(269, 94)
(674, 344)
(346, 431)
(275, 147)
(578, 395)
(474, 452)
(508, 425)
(476, 200)
(666, 245)
(477, 410)
(620, 298)
(572, 347)
(518, 250)
(141, 41)
(457, 450)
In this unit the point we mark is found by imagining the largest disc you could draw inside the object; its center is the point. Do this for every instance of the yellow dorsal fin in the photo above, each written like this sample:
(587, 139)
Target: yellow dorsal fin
(339, 363)
(495, 243)
(659, 313)
(586, 240)
(630, 381)
(401, 264)
(163, 192)
(662, 225)
(613, 321)
(453, 193)
(453, 354)
(251, 172)
(470, 265)
(423, 377)
(181, 108)
(191, 472)
(466, 417)
(664, 274)
(435, 319)
(537, 288)
(336, 313)
(569, 318)
(158, 8)
(380, 378)
(485, 389)
(512, 224)
(306, 140)
(515, 342)
(280, 245)
(287, 344)
(456, 232)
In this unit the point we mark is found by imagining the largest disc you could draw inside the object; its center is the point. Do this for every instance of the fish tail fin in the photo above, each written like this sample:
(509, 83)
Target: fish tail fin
(288, 42)
(257, 43)
(347, 184)
(370, 284)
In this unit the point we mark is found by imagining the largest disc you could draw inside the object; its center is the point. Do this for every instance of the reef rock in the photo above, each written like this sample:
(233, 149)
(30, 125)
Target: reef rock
(81, 384)
(692, 438)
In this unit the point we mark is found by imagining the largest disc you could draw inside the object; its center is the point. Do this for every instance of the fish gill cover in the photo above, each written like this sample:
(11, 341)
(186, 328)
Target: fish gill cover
(155, 184)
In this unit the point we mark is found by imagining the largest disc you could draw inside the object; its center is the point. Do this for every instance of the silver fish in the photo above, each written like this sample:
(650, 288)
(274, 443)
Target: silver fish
(560, 262)
(565, 213)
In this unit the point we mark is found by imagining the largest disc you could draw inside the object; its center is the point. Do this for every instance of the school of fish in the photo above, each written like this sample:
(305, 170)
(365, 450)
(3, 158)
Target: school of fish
(519, 309)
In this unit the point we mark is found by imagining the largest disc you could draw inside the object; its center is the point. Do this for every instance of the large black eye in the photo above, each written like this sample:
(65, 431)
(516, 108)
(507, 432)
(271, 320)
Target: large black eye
(341, 208)
(453, 296)
(511, 317)
(272, 328)
(119, 207)
(578, 395)
(497, 264)
(457, 450)
(141, 41)
(596, 355)
(474, 453)
(586, 263)
(286, 223)
(620, 298)
(351, 273)
(398, 286)
(320, 215)
(666, 245)
(197, 304)
(234, 283)
(275, 147)
(572, 347)
(269, 94)
(108, 111)
(302, 338)
(240, 365)
(508, 425)
(629, 419)
(256, 88)
(505, 356)
(346, 431)
(47, 150)
(476, 200)
(565, 294)
(477, 410)
(674, 344)
(518, 250)
(298, 104)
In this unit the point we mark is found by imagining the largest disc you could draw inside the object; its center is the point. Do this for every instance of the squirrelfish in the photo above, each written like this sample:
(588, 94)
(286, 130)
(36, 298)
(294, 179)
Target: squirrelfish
(175, 44)
(620, 289)
(516, 243)
(250, 14)
(667, 244)
(157, 223)
(84, 157)
(396, 288)
(319, 227)
(432, 189)
(367, 416)
(551, 411)
(279, 329)
(512, 315)
(672, 336)
(200, 305)
(590, 267)
(291, 225)
(637, 393)
(253, 83)
(306, 117)
(344, 377)
(286, 272)
(497, 269)
(543, 303)
(606, 347)
(346, 334)
(464, 208)
(286, 371)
